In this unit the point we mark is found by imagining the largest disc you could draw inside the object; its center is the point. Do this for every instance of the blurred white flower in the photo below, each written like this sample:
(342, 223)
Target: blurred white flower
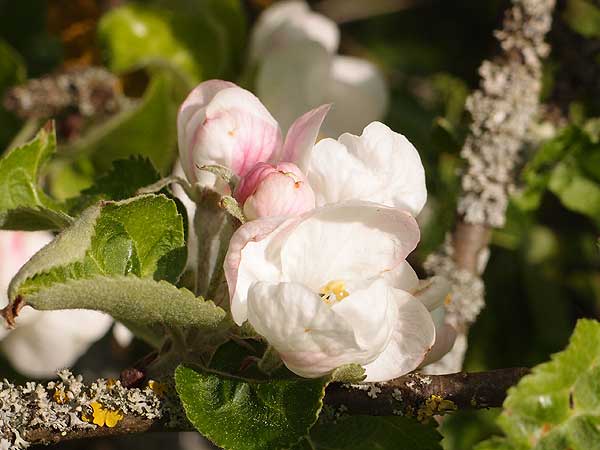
(331, 287)
(43, 341)
(298, 68)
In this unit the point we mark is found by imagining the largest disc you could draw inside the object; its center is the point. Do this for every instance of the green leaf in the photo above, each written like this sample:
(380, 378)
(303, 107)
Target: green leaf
(370, 432)
(135, 35)
(557, 406)
(149, 308)
(23, 203)
(142, 236)
(148, 128)
(241, 414)
(125, 178)
(576, 192)
(583, 17)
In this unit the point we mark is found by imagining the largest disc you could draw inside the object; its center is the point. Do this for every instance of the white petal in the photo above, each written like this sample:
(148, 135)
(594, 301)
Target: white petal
(288, 22)
(402, 277)
(290, 80)
(347, 241)
(310, 337)
(413, 337)
(444, 341)
(432, 292)
(359, 95)
(53, 340)
(122, 335)
(373, 313)
(253, 255)
(380, 166)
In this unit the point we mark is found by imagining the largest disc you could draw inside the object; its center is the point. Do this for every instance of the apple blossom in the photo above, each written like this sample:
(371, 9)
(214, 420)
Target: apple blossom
(221, 123)
(274, 190)
(320, 288)
(295, 51)
(43, 341)
(381, 166)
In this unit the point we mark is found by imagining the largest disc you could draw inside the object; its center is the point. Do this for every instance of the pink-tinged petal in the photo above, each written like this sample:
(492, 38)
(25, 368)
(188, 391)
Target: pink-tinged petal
(347, 241)
(226, 125)
(192, 113)
(268, 191)
(302, 136)
(444, 341)
(253, 256)
(311, 338)
(412, 339)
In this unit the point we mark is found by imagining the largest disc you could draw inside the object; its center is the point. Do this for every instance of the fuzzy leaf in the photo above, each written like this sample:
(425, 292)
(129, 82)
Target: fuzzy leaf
(149, 308)
(120, 183)
(557, 406)
(23, 204)
(142, 236)
(239, 414)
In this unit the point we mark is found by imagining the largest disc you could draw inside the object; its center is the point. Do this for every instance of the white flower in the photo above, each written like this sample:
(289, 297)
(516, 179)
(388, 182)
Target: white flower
(43, 341)
(381, 166)
(321, 289)
(295, 51)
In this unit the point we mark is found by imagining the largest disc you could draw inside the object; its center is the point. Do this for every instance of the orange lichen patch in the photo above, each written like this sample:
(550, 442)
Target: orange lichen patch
(104, 417)
(59, 396)
(158, 388)
(448, 299)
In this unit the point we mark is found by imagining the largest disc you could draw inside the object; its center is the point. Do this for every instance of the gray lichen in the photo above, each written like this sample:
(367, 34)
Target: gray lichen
(502, 111)
(67, 405)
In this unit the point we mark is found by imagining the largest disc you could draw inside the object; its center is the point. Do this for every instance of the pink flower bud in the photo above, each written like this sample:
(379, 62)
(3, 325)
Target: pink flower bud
(268, 191)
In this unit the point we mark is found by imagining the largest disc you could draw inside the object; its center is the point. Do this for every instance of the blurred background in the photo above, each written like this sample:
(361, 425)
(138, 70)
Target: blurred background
(112, 74)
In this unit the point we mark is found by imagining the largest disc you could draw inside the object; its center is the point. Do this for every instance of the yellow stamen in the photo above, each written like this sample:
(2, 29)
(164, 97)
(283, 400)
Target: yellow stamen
(448, 299)
(333, 292)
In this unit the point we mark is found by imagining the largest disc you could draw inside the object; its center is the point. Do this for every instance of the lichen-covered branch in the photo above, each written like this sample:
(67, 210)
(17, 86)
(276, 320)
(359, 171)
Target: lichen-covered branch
(68, 409)
(502, 110)
(424, 396)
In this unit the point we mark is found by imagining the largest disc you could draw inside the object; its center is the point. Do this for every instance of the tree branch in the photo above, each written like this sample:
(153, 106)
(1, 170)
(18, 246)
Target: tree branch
(63, 410)
(502, 111)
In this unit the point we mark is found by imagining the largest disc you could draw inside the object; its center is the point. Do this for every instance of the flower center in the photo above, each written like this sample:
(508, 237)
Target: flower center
(333, 292)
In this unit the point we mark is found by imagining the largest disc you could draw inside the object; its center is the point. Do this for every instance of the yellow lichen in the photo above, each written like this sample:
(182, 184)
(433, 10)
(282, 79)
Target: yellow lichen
(158, 388)
(104, 417)
(434, 405)
(59, 396)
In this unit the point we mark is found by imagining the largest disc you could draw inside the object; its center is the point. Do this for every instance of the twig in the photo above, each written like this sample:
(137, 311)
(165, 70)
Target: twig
(61, 411)
(502, 110)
